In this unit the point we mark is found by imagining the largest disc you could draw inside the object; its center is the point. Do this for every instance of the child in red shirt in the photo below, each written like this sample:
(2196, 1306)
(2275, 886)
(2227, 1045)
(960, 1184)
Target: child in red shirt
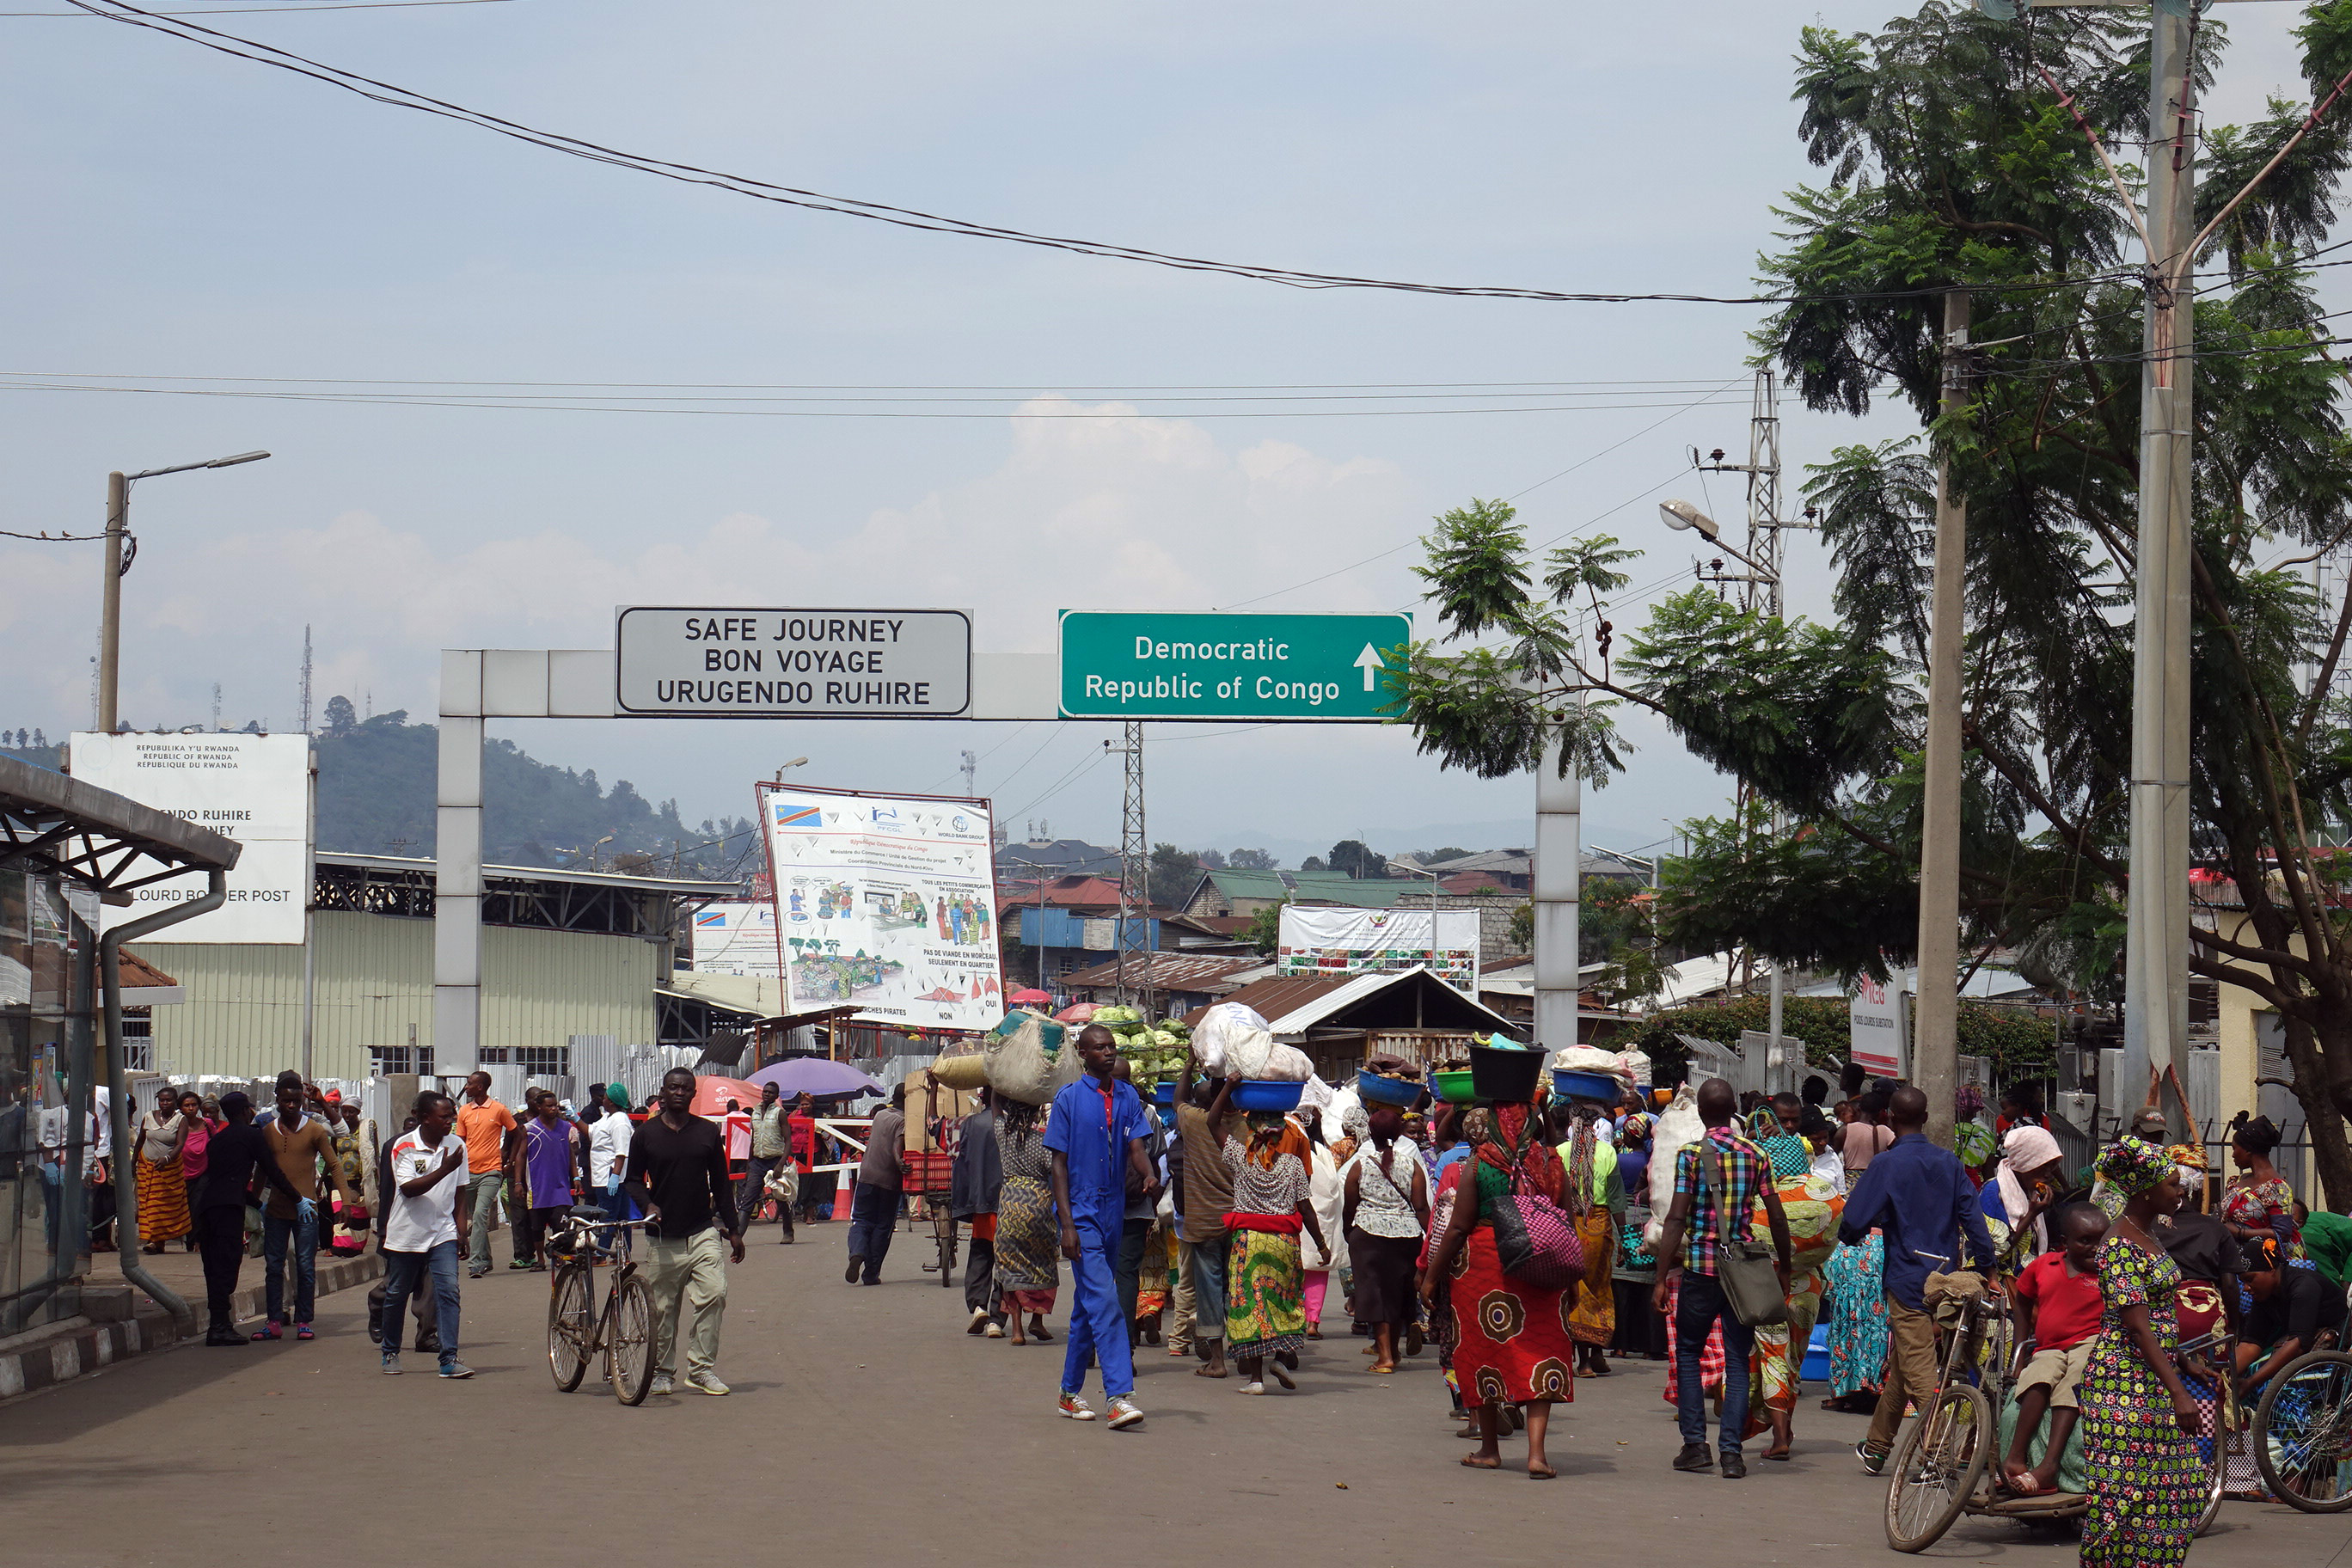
(2058, 1306)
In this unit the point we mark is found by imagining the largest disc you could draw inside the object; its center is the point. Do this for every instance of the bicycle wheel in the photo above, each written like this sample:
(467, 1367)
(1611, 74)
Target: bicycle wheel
(943, 1230)
(571, 1328)
(629, 1354)
(1937, 1467)
(2303, 1433)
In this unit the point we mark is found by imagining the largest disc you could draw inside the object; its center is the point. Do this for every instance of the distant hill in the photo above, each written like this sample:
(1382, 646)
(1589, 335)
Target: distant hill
(375, 797)
(376, 784)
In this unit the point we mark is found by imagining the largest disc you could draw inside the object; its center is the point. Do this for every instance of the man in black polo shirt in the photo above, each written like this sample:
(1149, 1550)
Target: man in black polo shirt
(678, 1175)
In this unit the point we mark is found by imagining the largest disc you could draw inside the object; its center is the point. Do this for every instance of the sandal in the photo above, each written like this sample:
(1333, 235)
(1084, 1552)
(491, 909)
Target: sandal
(1383, 1368)
(1480, 1462)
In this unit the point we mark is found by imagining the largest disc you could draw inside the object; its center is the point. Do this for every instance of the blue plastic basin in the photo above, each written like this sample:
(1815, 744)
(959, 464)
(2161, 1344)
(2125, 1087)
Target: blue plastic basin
(1265, 1096)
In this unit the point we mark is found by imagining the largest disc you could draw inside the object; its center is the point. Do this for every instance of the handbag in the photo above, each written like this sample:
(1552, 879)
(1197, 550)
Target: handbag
(1744, 1267)
(1534, 1239)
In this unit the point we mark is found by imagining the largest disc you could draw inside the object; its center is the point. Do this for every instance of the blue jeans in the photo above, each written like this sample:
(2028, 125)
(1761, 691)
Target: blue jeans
(1697, 1310)
(304, 1233)
(1097, 1329)
(404, 1271)
(1208, 1289)
(873, 1215)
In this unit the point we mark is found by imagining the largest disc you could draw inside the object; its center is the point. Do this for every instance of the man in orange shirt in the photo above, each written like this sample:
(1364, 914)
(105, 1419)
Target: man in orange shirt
(491, 1133)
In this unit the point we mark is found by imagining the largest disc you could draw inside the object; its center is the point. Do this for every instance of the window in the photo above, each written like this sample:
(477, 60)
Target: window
(385, 1060)
(491, 1055)
(542, 1062)
(138, 1043)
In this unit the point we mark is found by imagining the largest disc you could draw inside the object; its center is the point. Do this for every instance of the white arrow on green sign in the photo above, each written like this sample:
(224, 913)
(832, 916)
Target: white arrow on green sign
(1210, 665)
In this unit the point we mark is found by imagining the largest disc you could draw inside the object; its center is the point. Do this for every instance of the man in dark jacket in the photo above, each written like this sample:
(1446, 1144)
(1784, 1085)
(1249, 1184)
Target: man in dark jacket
(237, 1154)
(977, 1176)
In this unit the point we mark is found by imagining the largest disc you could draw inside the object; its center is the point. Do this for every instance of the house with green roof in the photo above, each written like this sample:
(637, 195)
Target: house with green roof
(1230, 892)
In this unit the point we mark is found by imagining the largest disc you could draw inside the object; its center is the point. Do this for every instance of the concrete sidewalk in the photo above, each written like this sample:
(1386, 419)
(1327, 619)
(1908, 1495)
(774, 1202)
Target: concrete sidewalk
(118, 1320)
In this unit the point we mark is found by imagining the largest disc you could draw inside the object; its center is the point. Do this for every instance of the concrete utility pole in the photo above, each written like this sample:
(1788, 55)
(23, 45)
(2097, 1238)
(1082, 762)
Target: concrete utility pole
(1935, 1052)
(117, 534)
(2155, 945)
(109, 612)
(1559, 828)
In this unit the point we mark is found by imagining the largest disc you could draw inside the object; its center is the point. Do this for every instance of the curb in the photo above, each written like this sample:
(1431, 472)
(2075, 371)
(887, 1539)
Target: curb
(81, 1347)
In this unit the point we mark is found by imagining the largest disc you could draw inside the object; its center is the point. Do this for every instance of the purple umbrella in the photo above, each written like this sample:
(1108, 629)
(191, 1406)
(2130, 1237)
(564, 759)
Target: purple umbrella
(814, 1076)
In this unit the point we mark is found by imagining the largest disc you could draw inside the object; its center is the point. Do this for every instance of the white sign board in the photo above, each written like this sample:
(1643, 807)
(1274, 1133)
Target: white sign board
(887, 903)
(737, 939)
(1881, 1026)
(716, 662)
(254, 789)
(1330, 944)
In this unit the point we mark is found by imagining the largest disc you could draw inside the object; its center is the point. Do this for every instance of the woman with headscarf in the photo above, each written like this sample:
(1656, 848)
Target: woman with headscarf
(1028, 1235)
(1385, 1213)
(1266, 1313)
(2139, 1419)
(2258, 1201)
(163, 1190)
(1513, 1345)
(1854, 1283)
(2024, 1189)
(1596, 1201)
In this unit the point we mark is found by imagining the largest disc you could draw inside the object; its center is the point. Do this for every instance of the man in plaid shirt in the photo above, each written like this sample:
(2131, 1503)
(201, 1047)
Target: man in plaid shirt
(1740, 1176)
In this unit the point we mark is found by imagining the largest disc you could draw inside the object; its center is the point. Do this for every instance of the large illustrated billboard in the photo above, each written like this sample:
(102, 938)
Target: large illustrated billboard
(886, 902)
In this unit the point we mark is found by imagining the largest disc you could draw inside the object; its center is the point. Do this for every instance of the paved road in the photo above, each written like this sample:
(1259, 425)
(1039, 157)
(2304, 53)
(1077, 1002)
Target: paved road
(865, 1422)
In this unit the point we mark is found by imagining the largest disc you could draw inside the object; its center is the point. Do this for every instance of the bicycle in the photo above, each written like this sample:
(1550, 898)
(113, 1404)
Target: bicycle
(2303, 1433)
(2229, 1418)
(624, 1331)
(1938, 1471)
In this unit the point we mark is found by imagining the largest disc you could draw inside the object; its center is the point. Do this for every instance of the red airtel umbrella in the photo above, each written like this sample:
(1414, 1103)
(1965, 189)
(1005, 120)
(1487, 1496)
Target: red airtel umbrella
(1030, 996)
(711, 1095)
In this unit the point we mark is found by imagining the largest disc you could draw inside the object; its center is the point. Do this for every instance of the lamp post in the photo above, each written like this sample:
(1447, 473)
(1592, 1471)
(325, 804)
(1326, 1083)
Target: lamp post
(1409, 869)
(1016, 860)
(118, 529)
(795, 762)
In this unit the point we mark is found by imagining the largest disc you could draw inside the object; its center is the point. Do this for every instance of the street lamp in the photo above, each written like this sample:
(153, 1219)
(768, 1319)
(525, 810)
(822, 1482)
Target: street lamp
(795, 762)
(1681, 514)
(118, 529)
(1041, 871)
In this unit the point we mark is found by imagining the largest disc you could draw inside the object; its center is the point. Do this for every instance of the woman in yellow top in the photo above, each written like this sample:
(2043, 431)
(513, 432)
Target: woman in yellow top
(1596, 1198)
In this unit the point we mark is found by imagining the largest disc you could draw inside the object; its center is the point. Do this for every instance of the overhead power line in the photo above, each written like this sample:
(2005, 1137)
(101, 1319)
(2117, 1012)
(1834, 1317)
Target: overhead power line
(398, 97)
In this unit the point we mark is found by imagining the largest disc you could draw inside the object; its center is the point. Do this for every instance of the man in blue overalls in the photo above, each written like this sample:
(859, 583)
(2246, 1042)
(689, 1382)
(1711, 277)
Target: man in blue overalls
(1098, 1133)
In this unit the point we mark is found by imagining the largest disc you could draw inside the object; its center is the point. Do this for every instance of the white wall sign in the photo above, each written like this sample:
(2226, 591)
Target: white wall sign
(887, 902)
(254, 789)
(1339, 942)
(1880, 1024)
(736, 938)
(731, 663)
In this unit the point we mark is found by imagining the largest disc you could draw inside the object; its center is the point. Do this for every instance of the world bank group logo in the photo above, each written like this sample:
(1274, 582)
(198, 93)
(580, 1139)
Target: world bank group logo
(962, 823)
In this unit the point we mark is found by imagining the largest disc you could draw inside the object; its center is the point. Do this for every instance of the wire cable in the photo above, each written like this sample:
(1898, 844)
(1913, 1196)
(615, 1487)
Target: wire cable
(396, 97)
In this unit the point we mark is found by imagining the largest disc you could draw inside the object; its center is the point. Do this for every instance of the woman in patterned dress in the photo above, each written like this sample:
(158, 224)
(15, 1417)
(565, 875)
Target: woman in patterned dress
(1513, 1345)
(2139, 1420)
(2258, 1200)
(155, 1157)
(1597, 1201)
(1811, 1208)
(1265, 1310)
(1028, 1236)
(1857, 1282)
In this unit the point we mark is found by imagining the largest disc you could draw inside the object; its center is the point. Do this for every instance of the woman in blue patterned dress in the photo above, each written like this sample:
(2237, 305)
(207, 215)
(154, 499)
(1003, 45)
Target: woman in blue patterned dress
(2139, 1421)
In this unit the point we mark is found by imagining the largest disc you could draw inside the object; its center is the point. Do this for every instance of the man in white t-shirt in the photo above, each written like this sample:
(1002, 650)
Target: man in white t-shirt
(426, 1225)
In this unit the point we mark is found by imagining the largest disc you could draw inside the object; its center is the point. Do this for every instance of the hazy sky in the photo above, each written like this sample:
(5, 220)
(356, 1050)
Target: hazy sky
(176, 214)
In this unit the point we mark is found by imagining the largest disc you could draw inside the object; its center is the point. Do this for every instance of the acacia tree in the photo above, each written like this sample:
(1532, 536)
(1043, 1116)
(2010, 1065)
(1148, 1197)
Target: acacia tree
(1954, 162)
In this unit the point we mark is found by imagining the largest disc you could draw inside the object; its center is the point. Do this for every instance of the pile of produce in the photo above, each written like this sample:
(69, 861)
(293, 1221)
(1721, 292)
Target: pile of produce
(1153, 1051)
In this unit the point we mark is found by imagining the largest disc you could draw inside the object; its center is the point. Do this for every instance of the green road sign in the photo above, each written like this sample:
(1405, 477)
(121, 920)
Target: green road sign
(1146, 664)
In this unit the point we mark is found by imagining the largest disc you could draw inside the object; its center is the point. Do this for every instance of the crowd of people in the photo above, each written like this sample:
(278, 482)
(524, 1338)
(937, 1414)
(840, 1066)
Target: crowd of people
(1528, 1239)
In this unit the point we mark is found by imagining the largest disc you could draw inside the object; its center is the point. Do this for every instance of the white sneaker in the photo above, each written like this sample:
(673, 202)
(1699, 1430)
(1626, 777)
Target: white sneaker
(995, 1332)
(705, 1383)
(1123, 1413)
(1076, 1408)
(661, 1384)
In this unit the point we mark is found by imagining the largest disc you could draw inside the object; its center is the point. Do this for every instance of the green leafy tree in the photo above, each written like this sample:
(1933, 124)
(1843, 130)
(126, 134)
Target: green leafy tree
(1265, 930)
(1250, 860)
(1950, 161)
(1357, 859)
(1172, 876)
